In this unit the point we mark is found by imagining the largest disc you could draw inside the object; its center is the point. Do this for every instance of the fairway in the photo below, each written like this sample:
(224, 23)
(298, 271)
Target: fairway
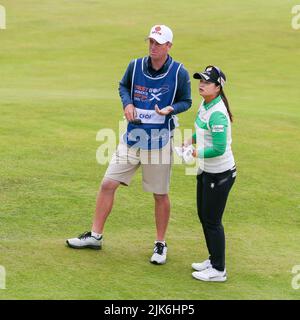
(60, 64)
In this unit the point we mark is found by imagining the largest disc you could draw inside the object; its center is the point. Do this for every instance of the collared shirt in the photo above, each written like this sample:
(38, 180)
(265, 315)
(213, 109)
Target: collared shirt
(182, 100)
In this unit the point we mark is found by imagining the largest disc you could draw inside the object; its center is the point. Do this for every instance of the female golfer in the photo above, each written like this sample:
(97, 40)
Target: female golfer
(217, 171)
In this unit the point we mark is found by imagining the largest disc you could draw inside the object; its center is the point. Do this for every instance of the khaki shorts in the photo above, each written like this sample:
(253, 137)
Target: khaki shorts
(156, 167)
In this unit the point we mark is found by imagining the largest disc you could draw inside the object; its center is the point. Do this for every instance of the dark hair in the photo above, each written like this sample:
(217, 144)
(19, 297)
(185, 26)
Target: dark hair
(222, 93)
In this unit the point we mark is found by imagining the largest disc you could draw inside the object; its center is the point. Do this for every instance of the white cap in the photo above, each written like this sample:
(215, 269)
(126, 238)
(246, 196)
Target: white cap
(161, 34)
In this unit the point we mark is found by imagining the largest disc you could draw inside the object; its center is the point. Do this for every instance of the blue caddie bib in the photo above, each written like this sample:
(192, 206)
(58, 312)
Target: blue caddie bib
(146, 92)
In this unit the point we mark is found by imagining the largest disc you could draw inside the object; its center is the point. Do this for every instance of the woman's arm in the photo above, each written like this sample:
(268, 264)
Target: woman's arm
(218, 124)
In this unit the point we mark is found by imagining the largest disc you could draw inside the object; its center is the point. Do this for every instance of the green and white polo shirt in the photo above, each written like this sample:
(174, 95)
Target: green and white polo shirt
(213, 137)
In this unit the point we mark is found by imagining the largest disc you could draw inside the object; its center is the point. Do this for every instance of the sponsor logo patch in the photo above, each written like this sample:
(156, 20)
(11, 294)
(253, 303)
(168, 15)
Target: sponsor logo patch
(145, 94)
(150, 116)
(217, 128)
(157, 30)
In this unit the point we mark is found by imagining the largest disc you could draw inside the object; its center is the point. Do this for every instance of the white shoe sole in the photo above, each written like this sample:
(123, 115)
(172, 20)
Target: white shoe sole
(199, 269)
(215, 279)
(83, 247)
(157, 262)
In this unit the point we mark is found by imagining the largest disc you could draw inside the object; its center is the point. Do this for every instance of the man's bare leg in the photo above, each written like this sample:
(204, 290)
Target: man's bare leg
(104, 203)
(162, 215)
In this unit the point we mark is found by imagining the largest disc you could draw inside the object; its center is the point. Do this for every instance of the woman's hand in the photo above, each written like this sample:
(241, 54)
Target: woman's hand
(164, 111)
(195, 153)
(187, 142)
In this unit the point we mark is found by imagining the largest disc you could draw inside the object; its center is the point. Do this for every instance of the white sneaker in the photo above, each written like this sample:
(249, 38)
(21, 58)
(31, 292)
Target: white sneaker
(160, 253)
(85, 240)
(210, 274)
(202, 265)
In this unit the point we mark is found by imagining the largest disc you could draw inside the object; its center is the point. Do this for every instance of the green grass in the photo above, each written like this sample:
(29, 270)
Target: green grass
(60, 66)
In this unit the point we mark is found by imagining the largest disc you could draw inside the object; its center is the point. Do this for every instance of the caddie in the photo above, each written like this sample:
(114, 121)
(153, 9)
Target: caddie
(153, 90)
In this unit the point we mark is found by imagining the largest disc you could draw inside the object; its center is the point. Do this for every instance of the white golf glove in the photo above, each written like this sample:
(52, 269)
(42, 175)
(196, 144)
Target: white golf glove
(186, 153)
(179, 151)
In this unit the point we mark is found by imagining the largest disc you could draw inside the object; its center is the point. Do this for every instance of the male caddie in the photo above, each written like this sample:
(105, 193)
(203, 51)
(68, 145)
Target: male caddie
(153, 90)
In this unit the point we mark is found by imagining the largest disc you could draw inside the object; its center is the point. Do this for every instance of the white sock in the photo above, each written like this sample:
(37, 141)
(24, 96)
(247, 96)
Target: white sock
(161, 241)
(96, 235)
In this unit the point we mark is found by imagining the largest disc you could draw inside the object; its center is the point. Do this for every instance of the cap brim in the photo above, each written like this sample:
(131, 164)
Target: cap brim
(158, 39)
(200, 75)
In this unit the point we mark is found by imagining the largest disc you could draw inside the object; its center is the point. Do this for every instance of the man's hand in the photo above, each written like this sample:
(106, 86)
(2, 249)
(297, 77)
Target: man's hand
(130, 112)
(164, 111)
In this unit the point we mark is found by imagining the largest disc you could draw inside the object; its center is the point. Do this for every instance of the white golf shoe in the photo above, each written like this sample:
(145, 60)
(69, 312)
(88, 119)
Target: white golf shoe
(85, 240)
(160, 253)
(210, 274)
(202, 265)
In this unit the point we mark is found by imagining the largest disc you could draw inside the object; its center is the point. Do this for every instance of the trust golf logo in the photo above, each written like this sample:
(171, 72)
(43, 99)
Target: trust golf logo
(296, 279)
(156, 93)
(2, 277)
(2, 18)
(296, 17)
(142, 93)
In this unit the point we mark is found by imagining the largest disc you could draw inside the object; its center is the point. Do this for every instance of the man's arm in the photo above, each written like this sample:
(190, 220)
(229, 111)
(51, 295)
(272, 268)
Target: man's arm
(183, 100)
(125, 93)
(125, 85)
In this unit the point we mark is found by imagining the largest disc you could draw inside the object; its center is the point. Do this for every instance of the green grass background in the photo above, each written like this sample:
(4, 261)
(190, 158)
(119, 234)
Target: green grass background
(60, 63)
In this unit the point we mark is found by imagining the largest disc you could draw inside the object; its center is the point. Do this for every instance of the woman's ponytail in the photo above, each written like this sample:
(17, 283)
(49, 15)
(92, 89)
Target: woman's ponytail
(226, 104)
